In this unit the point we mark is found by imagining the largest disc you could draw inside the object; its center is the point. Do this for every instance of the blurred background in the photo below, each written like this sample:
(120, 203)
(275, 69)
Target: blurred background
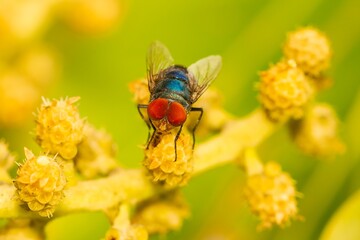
(95, 48)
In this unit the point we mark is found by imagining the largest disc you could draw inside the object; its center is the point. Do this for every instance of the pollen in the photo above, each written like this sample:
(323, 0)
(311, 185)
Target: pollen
(96, 153)
(271, 196)
(310, 49)
(160, 159)
(59, 128)
(40, 183)
(284, 91)
(317, 133)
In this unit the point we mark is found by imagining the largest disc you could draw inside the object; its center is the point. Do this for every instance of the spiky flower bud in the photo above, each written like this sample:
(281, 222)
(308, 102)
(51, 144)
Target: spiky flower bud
(310, 49)
(160, 159)
(59, 128)
(40, 183)
(284, 91)
(96, 153)
(317, 133)
(271, 196)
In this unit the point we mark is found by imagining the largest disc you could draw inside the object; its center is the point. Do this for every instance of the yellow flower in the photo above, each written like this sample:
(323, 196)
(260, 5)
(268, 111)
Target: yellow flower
(214, 116)
(271, 196)
(40, 183)
(132, 232)
(18, 98)
(92, 16)
(96, 153)
(40, 65)
(160, 159)
(162, 215)
(317, 133)
(59, 128)
(21, 229)
(139, 88)
(284, 91)
(310, 48)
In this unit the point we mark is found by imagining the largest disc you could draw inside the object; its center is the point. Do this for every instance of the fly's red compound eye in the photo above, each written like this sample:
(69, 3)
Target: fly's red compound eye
(157, 108)
(176, 114)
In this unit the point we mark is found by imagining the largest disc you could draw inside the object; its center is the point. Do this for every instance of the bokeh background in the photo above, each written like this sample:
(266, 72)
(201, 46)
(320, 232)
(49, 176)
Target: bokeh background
(94, 52)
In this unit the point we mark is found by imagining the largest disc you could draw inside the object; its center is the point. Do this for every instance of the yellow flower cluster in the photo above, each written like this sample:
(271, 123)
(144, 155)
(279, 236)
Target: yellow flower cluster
(317, 133)
(160, 159)
(40, 183)
(96, 153)
(310, 49)
(59, 128)
(284, 91)
(162, 215)
(271, 195)
(91, 16)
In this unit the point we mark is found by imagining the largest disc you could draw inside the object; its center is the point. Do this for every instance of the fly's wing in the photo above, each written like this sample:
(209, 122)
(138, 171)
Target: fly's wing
(158, 58)
(203, 73)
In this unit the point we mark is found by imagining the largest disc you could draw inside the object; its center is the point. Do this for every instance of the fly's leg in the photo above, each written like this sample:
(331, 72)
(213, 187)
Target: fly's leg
(176, 138)
(149, 125)
(196, 109)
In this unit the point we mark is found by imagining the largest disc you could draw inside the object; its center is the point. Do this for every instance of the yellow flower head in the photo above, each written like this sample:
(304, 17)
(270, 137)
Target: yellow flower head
(40, 183)
(317, 133)
(310, 49)
(21, 229)
(214, 116)
(284, 91)
(59, 128)
(18, 98)
(92, 17)
(162, 215)
(160, 159)
(271, 195)
(96, 153)
(139, 88)
(131, 232)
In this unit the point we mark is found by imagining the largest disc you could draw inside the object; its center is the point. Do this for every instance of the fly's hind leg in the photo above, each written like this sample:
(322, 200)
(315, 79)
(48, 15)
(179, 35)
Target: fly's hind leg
(196, 109)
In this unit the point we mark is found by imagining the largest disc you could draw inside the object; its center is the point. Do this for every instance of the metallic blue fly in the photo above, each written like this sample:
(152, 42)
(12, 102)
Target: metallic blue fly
(173, 90)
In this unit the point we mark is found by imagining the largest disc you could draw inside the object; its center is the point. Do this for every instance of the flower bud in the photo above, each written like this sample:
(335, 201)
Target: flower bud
(160, 159)
(310, 49)
(59, 128)
(40, 183)
(284, 91)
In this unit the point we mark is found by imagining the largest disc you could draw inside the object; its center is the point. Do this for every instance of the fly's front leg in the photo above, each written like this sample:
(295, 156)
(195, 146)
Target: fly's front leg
(196, 109)
(149, 125)
(176, 138)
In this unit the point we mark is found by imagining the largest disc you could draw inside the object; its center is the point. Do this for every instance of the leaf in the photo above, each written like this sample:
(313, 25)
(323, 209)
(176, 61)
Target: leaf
(344, 224)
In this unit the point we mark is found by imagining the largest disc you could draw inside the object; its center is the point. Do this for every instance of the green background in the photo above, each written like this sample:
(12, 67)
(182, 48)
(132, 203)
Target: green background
(249, 35)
